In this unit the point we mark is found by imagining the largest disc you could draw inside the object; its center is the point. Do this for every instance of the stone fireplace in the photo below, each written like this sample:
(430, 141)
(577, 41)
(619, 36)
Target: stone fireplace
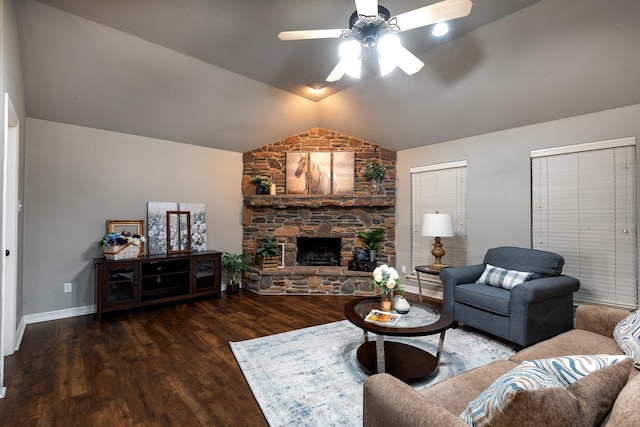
(333, 221)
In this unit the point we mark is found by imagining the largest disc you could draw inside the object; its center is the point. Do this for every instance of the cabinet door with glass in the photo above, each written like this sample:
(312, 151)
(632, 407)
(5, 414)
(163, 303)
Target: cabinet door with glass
(205, 274)
(121, 284)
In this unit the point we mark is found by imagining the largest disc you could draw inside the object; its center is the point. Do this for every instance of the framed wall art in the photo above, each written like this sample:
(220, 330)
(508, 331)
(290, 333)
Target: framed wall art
(320, 173)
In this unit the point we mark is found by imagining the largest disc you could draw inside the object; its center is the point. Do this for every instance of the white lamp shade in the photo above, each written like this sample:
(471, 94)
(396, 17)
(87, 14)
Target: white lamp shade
(437, 225)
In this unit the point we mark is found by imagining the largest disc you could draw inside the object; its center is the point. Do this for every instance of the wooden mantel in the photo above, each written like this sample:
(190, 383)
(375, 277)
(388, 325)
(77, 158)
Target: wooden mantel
(315, 201)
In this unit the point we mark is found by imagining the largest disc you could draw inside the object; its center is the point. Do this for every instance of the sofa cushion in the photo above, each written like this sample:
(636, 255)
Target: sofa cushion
(540, 263)
(627, 335)
(507, 279)
(625, 410)
(588, 400)
(575, 341)
(488, 298)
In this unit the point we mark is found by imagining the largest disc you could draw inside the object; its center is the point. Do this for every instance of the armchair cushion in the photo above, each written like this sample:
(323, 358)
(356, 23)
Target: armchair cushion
(496, 276)
(489, 298)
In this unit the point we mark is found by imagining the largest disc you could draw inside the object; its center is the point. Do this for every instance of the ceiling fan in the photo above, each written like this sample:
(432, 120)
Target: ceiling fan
(372, 26)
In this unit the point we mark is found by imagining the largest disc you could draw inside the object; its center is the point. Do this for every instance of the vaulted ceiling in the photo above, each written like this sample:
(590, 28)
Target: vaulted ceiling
(214, 73)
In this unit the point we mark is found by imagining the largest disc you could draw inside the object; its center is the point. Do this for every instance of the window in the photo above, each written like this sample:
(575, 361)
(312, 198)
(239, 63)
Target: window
(584, 208)
(439, 188)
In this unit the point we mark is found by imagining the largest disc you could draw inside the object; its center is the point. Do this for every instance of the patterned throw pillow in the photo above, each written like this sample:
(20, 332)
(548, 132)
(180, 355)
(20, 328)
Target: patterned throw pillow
(531, 375)
(496, 276)
(627, 335)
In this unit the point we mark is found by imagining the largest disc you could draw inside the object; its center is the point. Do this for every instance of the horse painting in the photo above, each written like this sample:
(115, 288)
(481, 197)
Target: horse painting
(318, 179)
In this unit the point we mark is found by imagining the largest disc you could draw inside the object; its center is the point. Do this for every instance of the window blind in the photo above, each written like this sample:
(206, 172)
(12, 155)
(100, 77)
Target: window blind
(439, 188)
(584, 208)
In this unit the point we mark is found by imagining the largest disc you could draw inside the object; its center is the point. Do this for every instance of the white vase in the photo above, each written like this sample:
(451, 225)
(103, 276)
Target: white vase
(401, 305)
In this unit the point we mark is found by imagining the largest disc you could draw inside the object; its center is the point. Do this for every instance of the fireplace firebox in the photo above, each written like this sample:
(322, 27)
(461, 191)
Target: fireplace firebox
(318, 251)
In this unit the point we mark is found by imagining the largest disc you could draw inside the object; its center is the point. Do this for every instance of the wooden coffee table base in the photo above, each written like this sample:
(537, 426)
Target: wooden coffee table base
(405, 362)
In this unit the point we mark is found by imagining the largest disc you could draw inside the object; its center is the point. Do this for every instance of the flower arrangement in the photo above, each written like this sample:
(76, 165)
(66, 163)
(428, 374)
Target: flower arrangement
(373, 171)
(261, 181)
(388, 279)
(122, 238)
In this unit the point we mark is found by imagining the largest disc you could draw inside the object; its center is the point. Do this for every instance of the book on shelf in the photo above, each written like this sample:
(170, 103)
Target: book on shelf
(383, 318)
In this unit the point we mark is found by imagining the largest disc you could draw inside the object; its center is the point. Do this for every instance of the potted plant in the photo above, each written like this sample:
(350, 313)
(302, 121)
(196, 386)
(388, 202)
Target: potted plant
(234, 266)
(374, 172)
(266, 251)
(372, 241)
(262, 183)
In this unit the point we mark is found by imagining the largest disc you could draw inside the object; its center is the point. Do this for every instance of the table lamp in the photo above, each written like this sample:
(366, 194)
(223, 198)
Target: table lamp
(437, 225)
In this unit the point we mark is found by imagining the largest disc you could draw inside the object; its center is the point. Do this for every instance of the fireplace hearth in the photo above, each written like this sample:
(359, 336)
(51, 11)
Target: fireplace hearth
(316, 251)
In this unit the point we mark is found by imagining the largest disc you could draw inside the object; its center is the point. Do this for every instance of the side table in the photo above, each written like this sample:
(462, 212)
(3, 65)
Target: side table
(432, 277)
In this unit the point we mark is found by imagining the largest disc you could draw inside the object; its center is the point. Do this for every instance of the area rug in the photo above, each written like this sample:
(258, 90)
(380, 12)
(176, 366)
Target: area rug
(310, 377)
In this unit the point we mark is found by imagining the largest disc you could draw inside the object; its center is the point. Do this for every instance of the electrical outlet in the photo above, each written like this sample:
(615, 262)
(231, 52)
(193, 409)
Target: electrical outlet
(404, 268)
(68, 287)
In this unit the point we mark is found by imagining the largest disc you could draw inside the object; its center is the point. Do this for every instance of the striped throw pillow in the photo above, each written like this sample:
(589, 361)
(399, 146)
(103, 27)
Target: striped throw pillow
(627, 335)
(557, 372)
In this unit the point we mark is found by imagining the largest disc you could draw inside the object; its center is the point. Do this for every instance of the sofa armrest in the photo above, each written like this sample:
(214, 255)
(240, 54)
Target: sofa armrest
(461, 275)
(601, 320)
(543, 289)
(453, 276)
(390, 402)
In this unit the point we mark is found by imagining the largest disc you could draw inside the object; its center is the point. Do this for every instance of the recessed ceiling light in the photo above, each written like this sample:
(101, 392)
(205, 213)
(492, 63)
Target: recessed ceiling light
(440, 29)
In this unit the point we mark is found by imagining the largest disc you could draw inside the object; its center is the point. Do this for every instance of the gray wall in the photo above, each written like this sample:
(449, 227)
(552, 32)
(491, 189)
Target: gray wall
(498, 175)
(77, 178)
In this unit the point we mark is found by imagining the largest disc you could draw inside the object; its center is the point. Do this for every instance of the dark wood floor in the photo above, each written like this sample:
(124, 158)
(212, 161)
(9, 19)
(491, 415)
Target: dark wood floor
(168, 366)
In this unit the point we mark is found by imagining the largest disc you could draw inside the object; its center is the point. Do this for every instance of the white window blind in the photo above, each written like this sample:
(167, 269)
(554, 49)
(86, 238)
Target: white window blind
(439, 188)
(584, 208)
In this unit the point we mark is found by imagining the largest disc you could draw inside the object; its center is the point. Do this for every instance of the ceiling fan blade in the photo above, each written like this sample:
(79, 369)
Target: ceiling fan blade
(367, 7)
(407, 61)
(338, 71)
(442, 11)
(311, 34)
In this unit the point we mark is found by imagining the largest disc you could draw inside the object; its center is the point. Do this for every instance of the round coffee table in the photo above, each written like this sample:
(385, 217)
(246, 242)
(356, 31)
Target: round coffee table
(405, 362)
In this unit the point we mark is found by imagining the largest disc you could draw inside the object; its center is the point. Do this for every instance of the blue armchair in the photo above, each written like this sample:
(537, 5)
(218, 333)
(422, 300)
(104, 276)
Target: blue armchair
(535, 310)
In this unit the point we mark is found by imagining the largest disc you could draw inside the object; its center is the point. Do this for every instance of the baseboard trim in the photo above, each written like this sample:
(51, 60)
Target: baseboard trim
(59, 314)
(20, 333)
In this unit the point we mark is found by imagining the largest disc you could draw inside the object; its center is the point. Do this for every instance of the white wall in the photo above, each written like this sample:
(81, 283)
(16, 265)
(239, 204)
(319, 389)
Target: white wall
(77, 178)
(499, 175)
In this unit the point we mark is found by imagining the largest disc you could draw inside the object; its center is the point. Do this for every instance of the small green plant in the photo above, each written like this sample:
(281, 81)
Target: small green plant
(373, 170)
(267, 247)
(372, 238)
(234, 266)
(261, 180)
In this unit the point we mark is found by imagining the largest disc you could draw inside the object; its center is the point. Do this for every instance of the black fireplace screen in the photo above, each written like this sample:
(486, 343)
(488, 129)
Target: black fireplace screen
(318, 251)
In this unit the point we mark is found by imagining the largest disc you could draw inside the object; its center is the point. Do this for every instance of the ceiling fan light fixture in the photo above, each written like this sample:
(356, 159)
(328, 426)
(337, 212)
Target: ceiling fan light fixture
(350, 55)
(387, 53)
(440, 29)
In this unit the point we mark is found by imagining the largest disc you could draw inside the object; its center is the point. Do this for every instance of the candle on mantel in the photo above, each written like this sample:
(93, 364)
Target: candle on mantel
(272, 190)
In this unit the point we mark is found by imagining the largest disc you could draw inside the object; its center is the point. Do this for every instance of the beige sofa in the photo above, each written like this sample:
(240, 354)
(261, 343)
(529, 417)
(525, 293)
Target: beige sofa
(388, 401)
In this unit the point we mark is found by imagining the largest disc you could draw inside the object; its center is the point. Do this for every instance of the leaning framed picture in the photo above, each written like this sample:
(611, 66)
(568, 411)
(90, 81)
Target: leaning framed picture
(129, 226)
